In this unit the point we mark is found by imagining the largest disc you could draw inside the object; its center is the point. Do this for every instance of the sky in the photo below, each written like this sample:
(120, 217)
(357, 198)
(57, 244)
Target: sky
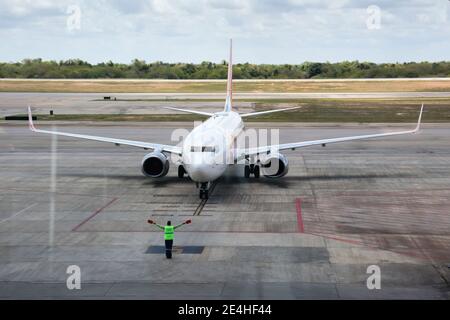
(263, 31)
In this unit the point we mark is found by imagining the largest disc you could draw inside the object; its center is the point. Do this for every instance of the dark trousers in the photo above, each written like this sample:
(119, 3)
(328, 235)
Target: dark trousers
(169, 244)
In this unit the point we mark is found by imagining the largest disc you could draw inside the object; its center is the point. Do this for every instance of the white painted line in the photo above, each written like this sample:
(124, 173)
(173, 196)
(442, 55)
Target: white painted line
(54, 163)
(17, 213)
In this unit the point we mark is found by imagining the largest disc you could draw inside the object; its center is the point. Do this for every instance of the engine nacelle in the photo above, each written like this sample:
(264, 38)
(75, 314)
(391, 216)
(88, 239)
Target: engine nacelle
(274, 165)
(155, 165)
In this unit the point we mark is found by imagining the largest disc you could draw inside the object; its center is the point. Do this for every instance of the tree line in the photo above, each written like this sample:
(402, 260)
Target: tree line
(139, 69)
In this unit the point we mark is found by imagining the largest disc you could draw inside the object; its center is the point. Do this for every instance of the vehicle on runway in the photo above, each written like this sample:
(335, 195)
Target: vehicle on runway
(210, 148)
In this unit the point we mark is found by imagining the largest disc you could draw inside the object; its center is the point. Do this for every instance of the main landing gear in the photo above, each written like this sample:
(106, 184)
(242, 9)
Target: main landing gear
(181, 172)
(252, 169)
(204, 190)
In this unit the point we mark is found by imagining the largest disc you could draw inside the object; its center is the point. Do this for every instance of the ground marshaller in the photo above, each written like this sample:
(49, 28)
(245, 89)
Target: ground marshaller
(169, 234)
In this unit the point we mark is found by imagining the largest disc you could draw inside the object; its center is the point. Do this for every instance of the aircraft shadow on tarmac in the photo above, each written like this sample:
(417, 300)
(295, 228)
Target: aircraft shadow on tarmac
(227, 179)
(285, 182)
(138, 178)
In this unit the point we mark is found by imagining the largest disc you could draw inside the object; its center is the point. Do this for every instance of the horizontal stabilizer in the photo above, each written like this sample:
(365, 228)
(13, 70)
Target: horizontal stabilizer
(254, 114)
(208, 114)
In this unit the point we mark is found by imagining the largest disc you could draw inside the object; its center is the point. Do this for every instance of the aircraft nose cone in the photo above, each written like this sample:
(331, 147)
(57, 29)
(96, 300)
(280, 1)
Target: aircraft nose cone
(199, 173)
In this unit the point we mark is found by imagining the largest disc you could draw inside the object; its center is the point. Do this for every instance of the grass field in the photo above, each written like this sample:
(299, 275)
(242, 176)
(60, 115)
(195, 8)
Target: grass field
(314, 110)
(311, 110)
(108, 86)
(382, 111)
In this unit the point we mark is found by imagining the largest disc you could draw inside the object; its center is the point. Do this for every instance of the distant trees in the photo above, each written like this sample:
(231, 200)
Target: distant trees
(140, 69)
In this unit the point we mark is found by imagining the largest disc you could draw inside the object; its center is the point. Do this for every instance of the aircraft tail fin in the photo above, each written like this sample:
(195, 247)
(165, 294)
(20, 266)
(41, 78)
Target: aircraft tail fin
(228, 102)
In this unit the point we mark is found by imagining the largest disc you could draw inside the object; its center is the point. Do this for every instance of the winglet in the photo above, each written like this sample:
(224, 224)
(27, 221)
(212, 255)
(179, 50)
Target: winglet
(30, 120)
(419, 121)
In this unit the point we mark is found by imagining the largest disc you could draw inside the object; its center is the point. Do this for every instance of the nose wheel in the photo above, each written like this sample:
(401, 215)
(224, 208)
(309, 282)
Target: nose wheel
(204, 194)
(204, 191)
(252, 169)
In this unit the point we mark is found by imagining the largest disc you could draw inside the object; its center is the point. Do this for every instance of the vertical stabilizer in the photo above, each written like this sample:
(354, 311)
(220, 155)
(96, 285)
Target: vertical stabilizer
(228, 102)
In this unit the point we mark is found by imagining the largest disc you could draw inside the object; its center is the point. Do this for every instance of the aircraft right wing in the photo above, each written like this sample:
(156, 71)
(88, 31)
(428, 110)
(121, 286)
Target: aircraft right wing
(118, 142)
(242, 153)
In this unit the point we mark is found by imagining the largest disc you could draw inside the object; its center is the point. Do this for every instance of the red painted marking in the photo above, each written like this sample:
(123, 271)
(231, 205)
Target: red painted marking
(94, 214)
(298, 207)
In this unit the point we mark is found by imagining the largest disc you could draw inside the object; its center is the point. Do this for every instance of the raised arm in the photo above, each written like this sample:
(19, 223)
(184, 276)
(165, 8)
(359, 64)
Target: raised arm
(181, 224)
(152, 222)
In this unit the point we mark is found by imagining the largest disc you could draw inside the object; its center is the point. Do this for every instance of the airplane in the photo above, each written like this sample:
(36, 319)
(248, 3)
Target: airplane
(210, 148)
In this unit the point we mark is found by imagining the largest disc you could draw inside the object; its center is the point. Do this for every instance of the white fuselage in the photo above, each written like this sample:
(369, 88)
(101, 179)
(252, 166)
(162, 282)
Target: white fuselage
(207, 149)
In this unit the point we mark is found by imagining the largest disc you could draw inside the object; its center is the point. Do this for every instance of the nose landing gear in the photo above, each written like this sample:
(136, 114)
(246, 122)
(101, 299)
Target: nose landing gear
(252, 169)
(204, 190)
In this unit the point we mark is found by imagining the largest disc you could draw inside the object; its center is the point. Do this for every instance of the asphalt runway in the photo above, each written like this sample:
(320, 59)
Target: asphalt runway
(153, 103)
(311, 234)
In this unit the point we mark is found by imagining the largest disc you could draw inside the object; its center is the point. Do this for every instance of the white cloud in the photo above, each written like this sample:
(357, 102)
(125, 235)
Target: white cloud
(272, 31)
(26, 7)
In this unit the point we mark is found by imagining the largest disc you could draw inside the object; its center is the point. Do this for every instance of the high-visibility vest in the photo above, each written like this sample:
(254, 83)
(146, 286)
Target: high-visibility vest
(168, 232)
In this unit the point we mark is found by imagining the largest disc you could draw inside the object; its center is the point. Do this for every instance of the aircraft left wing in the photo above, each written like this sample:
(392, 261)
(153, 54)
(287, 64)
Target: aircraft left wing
(242, 153)
(118, 142)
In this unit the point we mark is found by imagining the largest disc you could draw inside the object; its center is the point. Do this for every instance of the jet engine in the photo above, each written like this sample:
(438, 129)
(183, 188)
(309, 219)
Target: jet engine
(274, 165)
(155, 165)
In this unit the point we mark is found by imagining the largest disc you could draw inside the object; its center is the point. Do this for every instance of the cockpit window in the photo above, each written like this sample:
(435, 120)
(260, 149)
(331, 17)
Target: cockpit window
(203, 149)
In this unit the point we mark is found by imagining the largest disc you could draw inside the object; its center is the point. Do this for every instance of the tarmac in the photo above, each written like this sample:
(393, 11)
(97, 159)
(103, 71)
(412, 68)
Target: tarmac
(310, 235)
